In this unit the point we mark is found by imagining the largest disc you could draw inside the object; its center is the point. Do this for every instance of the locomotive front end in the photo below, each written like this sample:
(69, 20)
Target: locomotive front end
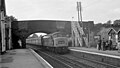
(61, 44)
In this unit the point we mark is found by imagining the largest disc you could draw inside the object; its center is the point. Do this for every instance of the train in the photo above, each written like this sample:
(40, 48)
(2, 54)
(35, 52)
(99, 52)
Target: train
(56, 42)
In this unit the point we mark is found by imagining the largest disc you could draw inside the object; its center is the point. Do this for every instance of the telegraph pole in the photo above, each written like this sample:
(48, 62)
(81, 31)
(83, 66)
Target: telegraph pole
(79, 9)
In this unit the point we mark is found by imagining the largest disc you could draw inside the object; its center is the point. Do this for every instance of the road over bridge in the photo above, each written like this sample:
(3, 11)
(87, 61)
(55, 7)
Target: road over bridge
(22, 29)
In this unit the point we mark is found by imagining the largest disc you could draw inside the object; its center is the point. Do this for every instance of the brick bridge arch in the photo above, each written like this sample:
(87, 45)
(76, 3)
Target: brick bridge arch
(22, 29)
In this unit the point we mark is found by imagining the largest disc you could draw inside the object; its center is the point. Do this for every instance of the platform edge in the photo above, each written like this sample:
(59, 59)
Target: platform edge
(40, 58)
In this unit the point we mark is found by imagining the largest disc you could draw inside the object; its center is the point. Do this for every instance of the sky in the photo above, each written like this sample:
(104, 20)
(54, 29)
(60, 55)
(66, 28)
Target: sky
(39, 34)
(99, 11)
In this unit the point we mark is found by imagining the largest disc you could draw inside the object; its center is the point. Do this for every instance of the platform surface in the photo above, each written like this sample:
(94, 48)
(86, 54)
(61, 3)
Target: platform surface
(20, 58)
(109, 52)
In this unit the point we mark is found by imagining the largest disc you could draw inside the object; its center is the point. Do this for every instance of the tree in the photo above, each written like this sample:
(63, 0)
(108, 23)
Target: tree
(98, 25)
(12, 18)
(109, 22)
(117, 22)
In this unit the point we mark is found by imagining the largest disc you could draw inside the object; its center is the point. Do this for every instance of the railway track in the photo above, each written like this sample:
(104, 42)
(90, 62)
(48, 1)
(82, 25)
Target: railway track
(72, 61)
(64, 61)
(54, 62)
(92, 63)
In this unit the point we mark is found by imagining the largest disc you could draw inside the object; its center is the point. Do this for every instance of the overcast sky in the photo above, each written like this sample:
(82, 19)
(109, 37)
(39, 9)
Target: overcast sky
(98, 11)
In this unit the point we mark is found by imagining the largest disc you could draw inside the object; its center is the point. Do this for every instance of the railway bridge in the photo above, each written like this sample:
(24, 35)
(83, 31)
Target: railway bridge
(22, 29)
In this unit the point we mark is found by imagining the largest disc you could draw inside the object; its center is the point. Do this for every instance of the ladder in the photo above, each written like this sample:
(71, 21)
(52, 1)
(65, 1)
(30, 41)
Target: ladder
(78, 32)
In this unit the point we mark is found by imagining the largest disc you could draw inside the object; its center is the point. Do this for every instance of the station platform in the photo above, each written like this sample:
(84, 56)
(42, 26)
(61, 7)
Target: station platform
(22, 58)
(110, 57)
(109, 52)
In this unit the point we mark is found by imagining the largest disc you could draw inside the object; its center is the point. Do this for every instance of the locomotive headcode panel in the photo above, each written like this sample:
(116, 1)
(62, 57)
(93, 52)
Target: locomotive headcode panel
(60, 41)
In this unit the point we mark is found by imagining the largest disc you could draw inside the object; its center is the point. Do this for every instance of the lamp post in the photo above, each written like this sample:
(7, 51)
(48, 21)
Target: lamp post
(88, 35)
(73, 38)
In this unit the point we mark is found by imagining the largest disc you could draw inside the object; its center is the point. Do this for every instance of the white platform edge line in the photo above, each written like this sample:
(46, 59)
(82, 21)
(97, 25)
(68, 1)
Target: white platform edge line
(97, 53)
(41, 58)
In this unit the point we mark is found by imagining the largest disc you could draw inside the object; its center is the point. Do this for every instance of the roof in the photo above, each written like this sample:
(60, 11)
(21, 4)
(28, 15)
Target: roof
(116, 28)
(104, 30)
(109, 30)
(112, 30)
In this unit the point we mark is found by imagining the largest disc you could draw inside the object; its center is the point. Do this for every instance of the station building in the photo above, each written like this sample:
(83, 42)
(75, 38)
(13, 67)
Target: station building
(5, 29)
(112, 33)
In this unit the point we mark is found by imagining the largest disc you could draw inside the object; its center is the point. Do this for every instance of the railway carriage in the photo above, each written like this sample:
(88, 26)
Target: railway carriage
(36, 41)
